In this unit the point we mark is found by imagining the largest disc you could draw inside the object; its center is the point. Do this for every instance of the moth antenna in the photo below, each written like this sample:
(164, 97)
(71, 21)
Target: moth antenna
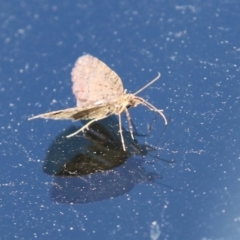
(151, 107)
(154, 80)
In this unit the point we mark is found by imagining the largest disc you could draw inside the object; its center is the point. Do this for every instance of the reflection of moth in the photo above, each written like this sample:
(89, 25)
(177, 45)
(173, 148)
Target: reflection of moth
(99, 93)
(98, 149)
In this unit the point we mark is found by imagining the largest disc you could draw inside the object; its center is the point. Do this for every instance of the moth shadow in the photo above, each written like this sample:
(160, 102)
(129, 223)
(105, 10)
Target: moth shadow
(93, 166)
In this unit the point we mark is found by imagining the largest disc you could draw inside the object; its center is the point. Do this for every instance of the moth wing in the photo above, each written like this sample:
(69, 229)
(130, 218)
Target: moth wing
(68, 113)
(78, 113)
(94, 80)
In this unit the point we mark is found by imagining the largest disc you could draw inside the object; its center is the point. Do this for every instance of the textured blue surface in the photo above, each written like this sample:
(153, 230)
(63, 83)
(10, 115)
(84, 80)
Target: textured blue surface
(195, 46)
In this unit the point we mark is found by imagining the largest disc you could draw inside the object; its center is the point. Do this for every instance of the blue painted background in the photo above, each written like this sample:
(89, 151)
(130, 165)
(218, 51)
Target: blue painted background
(195, 45)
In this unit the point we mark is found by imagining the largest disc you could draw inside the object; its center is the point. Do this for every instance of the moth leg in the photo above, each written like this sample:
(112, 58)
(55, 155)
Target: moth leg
(129, 122)
(120, 131)
(84, 127)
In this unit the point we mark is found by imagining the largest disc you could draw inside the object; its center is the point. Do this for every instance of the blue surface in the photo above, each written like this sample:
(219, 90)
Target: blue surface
(195, 46)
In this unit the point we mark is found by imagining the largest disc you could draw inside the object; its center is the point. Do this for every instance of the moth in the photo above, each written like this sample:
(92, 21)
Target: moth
(99, 93)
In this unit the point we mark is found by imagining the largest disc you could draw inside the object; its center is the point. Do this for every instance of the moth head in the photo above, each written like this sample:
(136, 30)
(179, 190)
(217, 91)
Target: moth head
(133, 101)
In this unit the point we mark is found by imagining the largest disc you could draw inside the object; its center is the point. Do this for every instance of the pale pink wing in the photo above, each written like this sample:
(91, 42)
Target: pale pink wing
(94, 81)
(68, 113)
(77, 113)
